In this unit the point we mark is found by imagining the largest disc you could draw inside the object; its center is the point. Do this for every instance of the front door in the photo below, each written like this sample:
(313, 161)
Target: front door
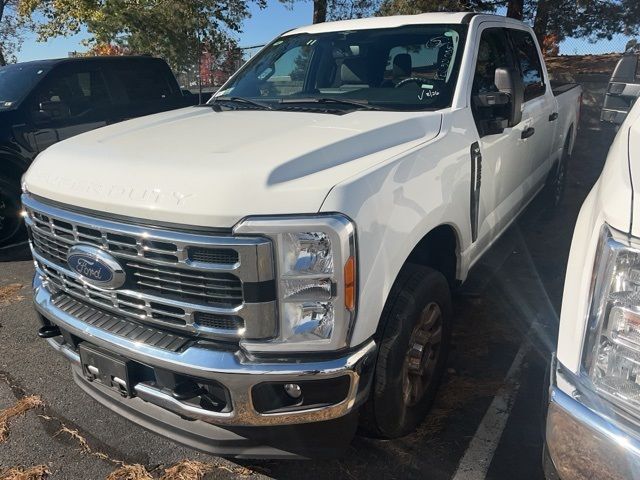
(73, 99)
(505, 161)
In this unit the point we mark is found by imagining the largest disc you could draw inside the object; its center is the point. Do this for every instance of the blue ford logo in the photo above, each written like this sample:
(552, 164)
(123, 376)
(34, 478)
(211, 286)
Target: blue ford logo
(96, 266)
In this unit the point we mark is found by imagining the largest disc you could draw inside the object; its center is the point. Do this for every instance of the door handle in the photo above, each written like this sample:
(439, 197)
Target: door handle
(528, 133)
(553, 117)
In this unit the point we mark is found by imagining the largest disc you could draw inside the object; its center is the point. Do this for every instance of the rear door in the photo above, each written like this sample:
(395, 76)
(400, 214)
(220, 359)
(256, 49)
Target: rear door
(73, 99)
(538, 111)
(143, 87)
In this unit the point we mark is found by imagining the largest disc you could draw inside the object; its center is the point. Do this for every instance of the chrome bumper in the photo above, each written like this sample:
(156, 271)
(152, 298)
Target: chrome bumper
(585, 444)
(233, 369)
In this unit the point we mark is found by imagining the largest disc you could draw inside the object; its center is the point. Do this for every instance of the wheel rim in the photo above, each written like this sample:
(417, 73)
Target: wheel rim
(422, 355)
(9, 218)
(559, 183)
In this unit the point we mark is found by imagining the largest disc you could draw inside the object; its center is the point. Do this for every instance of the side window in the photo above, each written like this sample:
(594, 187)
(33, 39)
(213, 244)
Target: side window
(144, 82)
(529, 62)
(77, 96)
(493, 53)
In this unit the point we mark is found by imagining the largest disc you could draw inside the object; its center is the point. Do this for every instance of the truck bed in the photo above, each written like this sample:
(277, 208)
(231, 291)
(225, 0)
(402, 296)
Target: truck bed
(558, 88)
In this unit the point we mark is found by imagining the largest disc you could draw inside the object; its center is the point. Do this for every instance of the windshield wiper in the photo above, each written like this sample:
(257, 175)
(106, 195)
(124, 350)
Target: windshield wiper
(244, 100)
(344, 101)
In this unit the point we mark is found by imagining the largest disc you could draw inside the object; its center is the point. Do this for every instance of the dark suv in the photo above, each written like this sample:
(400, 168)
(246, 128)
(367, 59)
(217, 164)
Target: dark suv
(44, 102)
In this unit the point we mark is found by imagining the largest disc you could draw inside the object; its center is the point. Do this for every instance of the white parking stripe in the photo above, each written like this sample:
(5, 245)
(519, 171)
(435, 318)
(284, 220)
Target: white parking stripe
(476, 460)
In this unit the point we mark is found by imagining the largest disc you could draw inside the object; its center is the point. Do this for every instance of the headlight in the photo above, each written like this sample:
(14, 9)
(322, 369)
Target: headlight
(611, 355)
(316, 270)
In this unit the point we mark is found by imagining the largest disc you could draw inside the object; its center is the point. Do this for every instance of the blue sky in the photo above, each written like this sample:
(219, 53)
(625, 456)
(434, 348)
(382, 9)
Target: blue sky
(266, 24)
(263, 26)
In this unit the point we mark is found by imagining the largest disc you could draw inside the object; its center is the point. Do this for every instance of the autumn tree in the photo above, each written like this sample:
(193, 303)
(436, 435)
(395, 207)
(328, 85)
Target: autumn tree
(591, 19)
(177, 30)
(12, 28)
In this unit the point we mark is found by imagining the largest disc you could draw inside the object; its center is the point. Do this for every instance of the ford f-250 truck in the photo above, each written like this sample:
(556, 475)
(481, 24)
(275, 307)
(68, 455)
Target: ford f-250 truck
(256, 276)
(594, 407)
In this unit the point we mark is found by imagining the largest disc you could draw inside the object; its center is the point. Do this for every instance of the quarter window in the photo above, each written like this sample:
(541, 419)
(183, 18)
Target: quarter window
(529, 62)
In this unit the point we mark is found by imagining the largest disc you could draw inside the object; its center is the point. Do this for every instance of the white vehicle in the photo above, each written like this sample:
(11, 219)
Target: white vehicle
(254, 276)
(594, 409)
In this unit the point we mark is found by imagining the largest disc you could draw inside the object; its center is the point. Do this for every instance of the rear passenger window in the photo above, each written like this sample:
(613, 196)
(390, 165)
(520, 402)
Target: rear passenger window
(529, 62)
(144, 83)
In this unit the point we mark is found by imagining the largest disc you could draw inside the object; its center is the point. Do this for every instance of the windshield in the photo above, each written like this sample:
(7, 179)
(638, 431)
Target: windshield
(405, 68)
(16, 81)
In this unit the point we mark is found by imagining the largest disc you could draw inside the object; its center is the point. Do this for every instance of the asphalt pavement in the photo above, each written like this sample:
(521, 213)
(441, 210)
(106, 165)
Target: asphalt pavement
(486, 422)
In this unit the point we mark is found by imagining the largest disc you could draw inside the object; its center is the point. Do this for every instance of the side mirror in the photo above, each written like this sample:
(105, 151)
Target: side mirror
(54, 111)
(508, 81)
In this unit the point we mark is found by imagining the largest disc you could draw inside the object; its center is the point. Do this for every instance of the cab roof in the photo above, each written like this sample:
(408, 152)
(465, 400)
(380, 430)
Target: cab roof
(398, 21)
(51, 62)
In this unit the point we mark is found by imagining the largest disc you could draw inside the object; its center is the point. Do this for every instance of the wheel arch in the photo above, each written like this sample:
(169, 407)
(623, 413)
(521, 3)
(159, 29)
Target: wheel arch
(438, 249)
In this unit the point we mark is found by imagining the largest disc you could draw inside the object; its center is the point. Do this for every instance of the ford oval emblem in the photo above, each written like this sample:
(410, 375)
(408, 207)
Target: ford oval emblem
(95, 266)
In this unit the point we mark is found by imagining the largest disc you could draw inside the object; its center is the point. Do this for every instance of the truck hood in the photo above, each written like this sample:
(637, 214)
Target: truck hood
(615, 202)
(199, 167)
(634, 168)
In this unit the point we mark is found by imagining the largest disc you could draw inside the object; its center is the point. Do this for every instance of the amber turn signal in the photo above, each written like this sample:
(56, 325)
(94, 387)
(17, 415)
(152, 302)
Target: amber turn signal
(350, 284)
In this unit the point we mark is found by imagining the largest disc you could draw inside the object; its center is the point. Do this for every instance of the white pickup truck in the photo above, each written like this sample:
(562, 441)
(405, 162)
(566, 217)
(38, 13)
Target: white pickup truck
(256, 276)
(594, 408)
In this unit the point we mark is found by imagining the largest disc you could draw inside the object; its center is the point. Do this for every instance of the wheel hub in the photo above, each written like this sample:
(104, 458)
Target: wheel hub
(422, 355)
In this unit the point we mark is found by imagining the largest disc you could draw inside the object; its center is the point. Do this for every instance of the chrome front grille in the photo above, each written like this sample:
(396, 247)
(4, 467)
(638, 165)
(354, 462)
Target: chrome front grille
(198, 283)
(216, 289)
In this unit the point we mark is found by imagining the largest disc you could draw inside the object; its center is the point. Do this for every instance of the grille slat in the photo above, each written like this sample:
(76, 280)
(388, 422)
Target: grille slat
(193, 274)
(187, 283)
(207, 294)
(190, 282)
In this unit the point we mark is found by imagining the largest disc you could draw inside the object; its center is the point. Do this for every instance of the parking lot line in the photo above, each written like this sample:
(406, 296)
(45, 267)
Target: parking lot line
(477, 458)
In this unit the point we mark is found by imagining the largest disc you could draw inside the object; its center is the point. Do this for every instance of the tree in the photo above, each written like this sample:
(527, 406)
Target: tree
(12, 28)
(177, 30)
(324, 10)
(412, 7)
(551, 19)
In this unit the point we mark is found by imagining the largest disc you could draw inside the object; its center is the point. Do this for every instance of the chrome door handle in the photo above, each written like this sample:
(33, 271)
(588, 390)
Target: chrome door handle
(528, 133)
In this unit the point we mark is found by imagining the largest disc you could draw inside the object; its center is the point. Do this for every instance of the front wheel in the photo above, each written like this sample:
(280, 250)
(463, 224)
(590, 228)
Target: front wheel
(11, 224)
(413, 353)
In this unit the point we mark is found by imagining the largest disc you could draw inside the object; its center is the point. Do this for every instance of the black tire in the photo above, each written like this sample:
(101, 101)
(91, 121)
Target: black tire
(391, 410)
(12, 228)
(557, 179)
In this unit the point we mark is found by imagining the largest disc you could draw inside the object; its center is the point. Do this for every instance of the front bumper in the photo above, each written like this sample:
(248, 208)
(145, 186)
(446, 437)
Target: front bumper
(159, 410)
(583, 443)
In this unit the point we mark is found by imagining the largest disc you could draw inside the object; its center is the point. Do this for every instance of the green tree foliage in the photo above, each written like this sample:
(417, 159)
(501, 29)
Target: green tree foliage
(592, 19)
(177, 30)
(412, 7)
(12, 28)
(324, 10)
